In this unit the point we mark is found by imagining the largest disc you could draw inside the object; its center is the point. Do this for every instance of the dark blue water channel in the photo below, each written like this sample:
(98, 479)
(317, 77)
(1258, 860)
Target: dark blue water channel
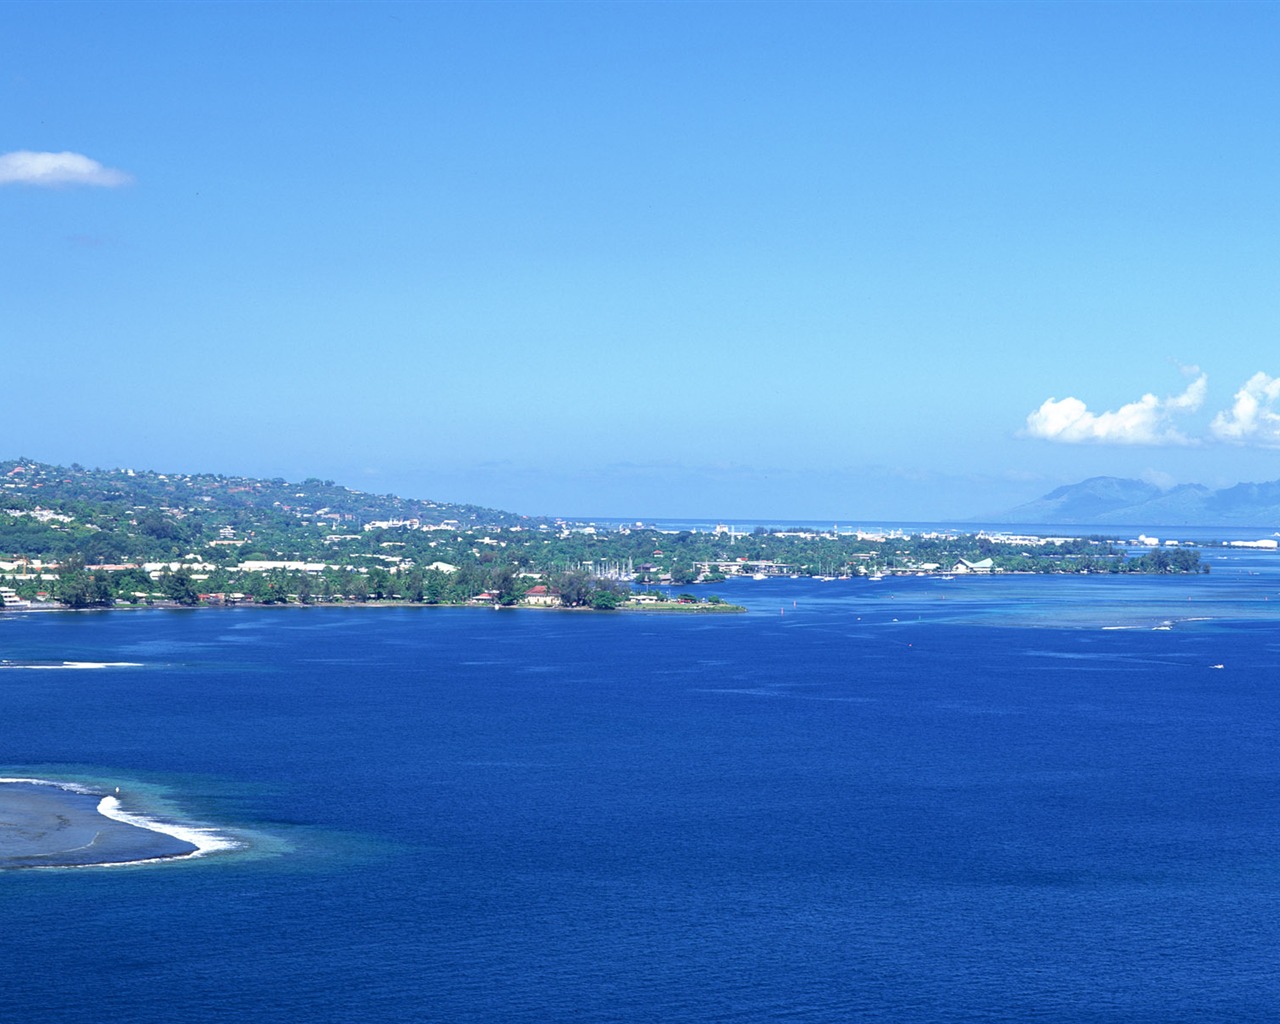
(1002, 799)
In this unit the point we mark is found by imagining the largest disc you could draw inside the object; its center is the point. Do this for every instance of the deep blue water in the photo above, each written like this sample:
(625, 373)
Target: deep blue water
(909, 801)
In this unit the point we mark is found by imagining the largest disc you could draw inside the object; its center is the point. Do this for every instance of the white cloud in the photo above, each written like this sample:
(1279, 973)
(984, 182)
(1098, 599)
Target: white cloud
(1252, 419)
(24, 167)
(1146, 421)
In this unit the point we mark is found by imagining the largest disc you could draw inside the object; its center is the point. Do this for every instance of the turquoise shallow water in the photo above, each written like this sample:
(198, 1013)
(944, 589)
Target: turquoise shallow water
(907, 801)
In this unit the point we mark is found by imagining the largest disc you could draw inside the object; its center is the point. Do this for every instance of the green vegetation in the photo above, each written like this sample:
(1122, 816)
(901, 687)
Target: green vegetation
(94, 538)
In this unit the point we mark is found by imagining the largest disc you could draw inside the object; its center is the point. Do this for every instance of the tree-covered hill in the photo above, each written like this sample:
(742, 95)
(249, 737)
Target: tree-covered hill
(113, 515)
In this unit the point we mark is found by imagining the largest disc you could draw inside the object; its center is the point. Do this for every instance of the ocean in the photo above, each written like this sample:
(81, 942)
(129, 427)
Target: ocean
(1014, 798)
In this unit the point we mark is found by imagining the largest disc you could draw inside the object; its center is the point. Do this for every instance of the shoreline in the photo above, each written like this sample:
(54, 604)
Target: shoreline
(173, 606)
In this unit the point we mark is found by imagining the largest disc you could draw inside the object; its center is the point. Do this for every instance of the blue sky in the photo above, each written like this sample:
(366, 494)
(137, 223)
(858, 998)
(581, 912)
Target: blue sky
(899, 261)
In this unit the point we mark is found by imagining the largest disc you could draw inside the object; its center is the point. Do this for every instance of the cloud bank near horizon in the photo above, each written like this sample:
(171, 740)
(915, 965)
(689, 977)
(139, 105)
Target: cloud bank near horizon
(50, 170)
(1253, 419)
(1148, 421)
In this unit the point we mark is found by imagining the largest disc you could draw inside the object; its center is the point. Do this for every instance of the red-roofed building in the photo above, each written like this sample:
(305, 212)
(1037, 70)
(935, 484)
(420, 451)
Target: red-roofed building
(541, 596)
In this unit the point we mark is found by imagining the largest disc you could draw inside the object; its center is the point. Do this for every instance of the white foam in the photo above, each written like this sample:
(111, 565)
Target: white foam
(205, 840)
(81, 665)
(70, 787)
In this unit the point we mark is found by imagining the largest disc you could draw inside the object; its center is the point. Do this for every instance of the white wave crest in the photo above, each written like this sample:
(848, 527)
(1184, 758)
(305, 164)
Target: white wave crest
(73, 664)
(205, 840)
(70, 787)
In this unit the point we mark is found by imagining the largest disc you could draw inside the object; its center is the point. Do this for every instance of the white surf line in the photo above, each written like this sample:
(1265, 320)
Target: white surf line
(79, 665)
(70, 787)
(205, 840)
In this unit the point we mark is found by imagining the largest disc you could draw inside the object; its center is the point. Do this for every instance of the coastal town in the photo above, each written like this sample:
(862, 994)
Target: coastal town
(77, 538)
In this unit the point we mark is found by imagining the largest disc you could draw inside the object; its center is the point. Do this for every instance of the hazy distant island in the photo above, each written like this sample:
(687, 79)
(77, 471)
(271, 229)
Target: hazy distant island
(89, 538)
(1113, 501)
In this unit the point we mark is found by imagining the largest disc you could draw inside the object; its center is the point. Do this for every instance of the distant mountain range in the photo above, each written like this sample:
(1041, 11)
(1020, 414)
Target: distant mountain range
(1113, 501)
